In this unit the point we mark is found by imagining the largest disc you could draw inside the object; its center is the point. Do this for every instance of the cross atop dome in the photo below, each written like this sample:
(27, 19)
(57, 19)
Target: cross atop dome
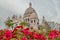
(43, 20)
(43, 17)
(30, 4)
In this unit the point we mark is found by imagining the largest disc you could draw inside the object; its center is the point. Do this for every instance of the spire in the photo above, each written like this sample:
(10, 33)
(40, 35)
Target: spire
(30, 4)
(43, 20)
(43, 17)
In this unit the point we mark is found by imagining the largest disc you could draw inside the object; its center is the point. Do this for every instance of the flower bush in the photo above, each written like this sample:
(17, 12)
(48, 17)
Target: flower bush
(21, 33)
(54, 35)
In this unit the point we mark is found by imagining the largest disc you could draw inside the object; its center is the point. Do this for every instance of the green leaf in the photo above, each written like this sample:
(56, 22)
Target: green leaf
(13, 39)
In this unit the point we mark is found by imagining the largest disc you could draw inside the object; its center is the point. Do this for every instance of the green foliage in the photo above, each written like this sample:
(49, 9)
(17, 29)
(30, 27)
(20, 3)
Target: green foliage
(13, 39)
(23, 23)
(9, 23)
(54, 39)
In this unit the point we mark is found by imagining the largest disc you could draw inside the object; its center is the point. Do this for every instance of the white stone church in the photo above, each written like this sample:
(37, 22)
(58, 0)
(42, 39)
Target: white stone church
(30, 16)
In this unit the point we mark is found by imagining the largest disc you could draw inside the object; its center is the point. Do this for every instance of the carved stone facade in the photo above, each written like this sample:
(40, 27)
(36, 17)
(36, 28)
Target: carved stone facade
(16, 20)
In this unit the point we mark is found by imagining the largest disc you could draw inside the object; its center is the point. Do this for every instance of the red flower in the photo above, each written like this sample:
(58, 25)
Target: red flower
(59, 34)
(26, 29)
(26, 32)
(35, 36)
(1, 37)
(29, 39)
(20, 27)
(41, 37)
(14, 36)
(23, 38)
(7, 38)
(8, 33)
(53, 34)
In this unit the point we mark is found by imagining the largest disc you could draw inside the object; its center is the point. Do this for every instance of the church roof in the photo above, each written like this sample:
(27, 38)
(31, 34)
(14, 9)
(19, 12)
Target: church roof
(30, 10)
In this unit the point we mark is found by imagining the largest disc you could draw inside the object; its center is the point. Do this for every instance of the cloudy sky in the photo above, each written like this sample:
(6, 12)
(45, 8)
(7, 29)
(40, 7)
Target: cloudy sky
(48, 8)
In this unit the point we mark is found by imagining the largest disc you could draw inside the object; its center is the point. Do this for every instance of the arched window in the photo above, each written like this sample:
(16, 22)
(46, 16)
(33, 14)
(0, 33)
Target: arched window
(37, 22)
(31, 27)
(34, 10)
(31, 12)
(28, 25)
(34, 21)
(31, 21)
(28, 19)
(38, 28)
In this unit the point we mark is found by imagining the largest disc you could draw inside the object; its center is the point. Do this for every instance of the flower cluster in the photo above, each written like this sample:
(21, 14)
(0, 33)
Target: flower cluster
(20, 33)
(54, 34)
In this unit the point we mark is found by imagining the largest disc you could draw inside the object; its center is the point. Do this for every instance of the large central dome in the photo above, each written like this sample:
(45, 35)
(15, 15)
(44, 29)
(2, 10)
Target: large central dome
(30, 12)
(30, 17)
